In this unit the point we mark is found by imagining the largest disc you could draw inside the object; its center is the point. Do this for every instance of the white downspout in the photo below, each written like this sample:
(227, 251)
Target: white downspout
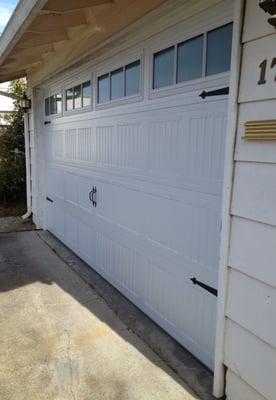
(28, 166)
(219, 369)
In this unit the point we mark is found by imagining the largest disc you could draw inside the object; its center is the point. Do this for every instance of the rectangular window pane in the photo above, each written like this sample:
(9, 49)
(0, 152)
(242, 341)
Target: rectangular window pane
(53, 105)
(117, 84)
(77, 96)
(132, 79)
(103, 88)
(86, 94)
(190, 59)
(219, 43)
(69, 99)
(163, 68)
(47, 106)
(58, 103)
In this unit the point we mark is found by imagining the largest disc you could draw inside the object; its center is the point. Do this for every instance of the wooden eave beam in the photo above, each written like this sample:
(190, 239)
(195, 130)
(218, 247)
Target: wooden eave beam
(57, 22)
(30, 39)
(70, 5)
(11, 76)
(19, 54)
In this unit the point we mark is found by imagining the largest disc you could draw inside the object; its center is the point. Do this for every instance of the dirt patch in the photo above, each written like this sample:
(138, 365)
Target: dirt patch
(12, 209)
(15, 224)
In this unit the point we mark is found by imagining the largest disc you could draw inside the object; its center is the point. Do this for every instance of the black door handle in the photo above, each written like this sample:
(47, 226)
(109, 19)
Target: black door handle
(217, 92)
(92, 195)
(48, 199)
(204, 286)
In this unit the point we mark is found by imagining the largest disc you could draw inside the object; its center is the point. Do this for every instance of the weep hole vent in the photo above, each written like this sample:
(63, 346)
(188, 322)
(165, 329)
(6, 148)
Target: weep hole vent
(260, 130)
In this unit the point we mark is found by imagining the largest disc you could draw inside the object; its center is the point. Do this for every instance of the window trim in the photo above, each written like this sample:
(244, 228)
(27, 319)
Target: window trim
(71, 85)
(48, 96)
(111, 67)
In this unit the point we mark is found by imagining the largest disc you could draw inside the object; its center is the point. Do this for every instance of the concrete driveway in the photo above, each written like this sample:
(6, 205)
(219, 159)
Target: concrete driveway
(60, 340)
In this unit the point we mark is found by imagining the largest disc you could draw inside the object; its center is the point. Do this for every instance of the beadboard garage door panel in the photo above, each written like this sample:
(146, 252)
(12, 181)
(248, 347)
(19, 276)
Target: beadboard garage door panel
(246, 355)
(157, 221)
(237, 389)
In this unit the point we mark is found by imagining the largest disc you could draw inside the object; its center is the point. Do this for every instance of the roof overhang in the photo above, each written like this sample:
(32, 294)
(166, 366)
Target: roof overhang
(44, 32)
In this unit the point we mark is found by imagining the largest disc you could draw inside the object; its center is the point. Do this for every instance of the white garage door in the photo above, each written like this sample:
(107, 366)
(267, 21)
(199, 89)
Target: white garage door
(154, 222)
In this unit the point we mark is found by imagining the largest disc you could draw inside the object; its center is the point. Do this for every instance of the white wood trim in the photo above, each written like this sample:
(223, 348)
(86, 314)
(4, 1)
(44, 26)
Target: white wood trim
(219, 370)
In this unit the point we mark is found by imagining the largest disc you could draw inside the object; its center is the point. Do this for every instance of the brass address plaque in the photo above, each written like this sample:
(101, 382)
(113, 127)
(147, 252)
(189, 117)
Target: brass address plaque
(260, 130)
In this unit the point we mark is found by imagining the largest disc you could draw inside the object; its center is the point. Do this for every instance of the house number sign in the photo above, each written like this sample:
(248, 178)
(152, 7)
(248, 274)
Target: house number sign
(263, 69)
(262, 130)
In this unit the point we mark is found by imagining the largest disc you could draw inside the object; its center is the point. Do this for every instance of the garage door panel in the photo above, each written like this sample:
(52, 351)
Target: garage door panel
(87, 240)
(131, 146)
(55, 183)
(71, 234)
(86, 142)
(71, 188)
(85, 186)
(70, 144)
(158, 170)
(107, 197)
(105, 146)
(188, 149)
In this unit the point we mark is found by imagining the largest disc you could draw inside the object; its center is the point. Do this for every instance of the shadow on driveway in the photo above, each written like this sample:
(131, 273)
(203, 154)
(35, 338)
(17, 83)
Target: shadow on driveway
(65, 333)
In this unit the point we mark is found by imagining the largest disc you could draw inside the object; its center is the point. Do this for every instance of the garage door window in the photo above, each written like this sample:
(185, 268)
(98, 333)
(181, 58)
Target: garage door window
(219, 50)
(163, 74)
(132, 78)
(53, 104)
(120, 83)
(117, 84)
(79, 96)
(191, 50)
(204, 55)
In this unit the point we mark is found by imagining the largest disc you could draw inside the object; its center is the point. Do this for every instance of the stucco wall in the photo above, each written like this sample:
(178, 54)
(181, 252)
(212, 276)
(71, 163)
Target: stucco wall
(250, 337)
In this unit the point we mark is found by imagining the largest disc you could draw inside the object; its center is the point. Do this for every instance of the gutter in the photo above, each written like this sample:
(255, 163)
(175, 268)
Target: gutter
(28, 167)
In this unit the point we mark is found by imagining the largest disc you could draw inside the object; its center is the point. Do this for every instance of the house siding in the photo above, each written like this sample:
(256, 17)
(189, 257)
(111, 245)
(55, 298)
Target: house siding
(250, 333)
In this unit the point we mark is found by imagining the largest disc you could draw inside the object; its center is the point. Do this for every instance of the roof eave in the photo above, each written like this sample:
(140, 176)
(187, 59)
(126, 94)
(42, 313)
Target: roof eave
(21, 18)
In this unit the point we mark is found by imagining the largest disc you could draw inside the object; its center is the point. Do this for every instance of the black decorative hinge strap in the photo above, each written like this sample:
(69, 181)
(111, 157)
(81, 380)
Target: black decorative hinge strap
(217, 92)
(204, 286)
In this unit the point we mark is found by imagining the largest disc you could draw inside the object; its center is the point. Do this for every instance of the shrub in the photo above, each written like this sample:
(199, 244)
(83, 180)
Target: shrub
(12, 151)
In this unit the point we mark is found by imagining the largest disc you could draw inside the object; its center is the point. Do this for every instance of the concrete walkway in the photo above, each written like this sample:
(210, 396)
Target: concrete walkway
(59, 339)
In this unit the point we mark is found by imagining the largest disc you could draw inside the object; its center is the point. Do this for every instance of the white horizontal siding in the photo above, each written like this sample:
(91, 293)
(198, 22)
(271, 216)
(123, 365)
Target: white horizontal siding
(239, 390)
(250, 334)
(252, 249)
(254, 192)
(251, 359)
(251, 298)
(253, 30)
(253, 54)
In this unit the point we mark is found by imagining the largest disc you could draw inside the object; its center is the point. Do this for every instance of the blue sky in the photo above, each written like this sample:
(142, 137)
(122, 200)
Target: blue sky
(6, 9)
